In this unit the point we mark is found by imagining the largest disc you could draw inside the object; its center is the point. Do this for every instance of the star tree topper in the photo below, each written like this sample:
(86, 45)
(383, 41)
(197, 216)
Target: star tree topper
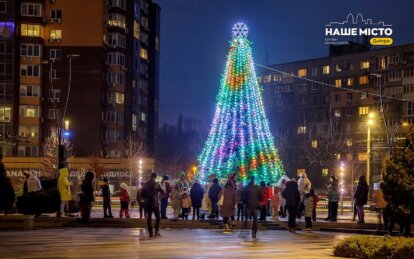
(240, 30)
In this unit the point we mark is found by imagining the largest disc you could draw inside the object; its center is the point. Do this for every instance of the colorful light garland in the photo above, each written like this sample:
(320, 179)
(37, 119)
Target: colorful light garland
(240, 141)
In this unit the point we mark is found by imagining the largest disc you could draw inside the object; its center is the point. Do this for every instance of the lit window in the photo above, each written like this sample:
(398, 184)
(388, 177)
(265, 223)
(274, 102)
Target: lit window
(363, 110)
(338, 68)
(136, 29)
(337, 113)
(31, 30)
(28, 111)
(56, 34)
(5, 113)
(325, 70)
(338, 156)
(349, 81)
(349, 142)
(302, 130)
(143, 116)
(382, 62)
(362, 156)
(364, 64)
(143, 53)
(119, 98)
(29, 131)
(300, 171)
(338, 82)
(363, 96)
(325, 172)
(314, 143)
(363, 80)
(302, 72)
(118, 20)
(349, 157)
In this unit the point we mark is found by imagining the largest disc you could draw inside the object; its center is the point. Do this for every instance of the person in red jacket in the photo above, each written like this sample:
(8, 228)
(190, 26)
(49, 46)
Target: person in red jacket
(263, 200)
(125, 200)
(269, 200)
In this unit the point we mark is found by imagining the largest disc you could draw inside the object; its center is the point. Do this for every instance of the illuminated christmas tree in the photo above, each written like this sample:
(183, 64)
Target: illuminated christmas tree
(240, 141)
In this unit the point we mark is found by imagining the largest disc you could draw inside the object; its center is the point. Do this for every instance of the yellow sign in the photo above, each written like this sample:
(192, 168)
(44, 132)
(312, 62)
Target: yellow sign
(381, 41)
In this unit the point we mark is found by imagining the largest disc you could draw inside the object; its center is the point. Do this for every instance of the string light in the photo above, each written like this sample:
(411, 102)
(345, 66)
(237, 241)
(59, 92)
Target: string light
(240, 141)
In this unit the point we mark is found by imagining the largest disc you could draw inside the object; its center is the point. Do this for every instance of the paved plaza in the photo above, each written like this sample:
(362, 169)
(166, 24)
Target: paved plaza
(178, 243)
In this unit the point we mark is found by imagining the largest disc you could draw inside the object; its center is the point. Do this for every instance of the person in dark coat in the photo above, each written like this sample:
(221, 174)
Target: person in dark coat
(7, 195)
(292, 196)
(213, 195)
(88, 197)
(333, 199)
(263, 201)
(251, 200)
(166, 187)
(361, 198)
(106, 199)
(149, 194)
(229, 201)
(196, 194)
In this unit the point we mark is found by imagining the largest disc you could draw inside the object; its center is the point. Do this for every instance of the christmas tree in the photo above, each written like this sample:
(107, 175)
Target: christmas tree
(240, 141)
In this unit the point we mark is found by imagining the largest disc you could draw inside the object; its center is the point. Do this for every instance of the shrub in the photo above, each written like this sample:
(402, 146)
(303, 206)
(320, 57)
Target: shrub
(375, 247)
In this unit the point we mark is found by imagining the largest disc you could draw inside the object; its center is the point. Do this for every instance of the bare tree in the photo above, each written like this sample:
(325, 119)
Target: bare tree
(133, 150)
(50, 151)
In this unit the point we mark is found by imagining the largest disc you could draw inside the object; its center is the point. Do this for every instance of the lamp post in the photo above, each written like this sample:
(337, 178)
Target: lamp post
(370, 122)
(341, 186)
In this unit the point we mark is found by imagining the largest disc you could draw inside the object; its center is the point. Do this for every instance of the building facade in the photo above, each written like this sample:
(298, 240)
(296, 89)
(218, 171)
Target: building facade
(88, 68)
(320, 116)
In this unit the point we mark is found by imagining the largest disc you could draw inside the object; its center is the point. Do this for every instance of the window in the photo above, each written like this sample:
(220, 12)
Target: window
(55, 54)
(118, 20)
(349, 142)
(115, 97)
(5, 113)
(54, 95)
(363, 80)
(29, 131)
(302, 72)
(31, 9)
(338, 68)
(143, 116)
(56, 14)
(363, 96)
(55, 34)
(136, 30)
(325, 172)
(315, 86)
(113, 153)
(326, 99)
(30, 50)
(144, 39)
(349, 157)
(349, 111)
(2, 6)
(31, 30)
(144, 22)
(337, 113)
(362, 156)
(116, 40)
(134, 122)
(349, 81)
(115, 117)
(301, 130)
(157, 44)
(349, 96)
(143, 53)
(314, 71)
(314, 143)
(302, 100)
(115, 78)
(118, 3)
(302, 88)
(300, 171)
(30, 90)
(116, 58)
(363, 110)
(30, 70)
(112, 135)
(325, 70)
(381, 62)
(55, 74)
(364, 64)
(54, 114)
(28, 151)
(28, 111)
(337, 97)
(338, 82)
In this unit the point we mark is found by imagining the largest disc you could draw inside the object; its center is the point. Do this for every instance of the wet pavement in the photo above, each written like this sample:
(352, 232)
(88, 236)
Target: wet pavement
(178, 243)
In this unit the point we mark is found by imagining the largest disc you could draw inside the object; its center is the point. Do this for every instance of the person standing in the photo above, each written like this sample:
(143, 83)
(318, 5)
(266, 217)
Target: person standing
(240, 204)
(333, 199)
(26, 176)
(33, 183)
(88, 197)
(275, 202)
(304, 186)
(165, 185)
(292, 196)
(263, 201)
(150, 194)
(196, 194)
(7, 195)
(229, 200)
(308, 212)
(269, 209)
(213, 194)
(64, 190)
(106, 199)
(251, 199)
(361, 198)
(140, 202)
(315, 203)
(182, 182)
(176, 202)
(380, 205)
(124, 200)
(282, 201)
(185, 203)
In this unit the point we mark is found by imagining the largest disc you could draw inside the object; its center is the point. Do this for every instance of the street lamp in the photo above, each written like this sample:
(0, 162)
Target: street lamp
(341, 185)
(397, 125)
(370, 122)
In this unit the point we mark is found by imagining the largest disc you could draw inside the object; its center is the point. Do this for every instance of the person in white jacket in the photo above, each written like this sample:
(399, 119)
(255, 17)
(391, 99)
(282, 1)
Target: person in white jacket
(304, 186)
(33, 183)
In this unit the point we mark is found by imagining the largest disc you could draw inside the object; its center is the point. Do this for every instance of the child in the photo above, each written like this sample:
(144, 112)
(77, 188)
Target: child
(125, 200)
(185, 203)
(308, 212)
(175, 202)
(315, 202)
(275, 202)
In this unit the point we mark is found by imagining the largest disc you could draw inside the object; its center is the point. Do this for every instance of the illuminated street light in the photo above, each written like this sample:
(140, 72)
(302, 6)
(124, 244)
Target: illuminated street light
(341, 185)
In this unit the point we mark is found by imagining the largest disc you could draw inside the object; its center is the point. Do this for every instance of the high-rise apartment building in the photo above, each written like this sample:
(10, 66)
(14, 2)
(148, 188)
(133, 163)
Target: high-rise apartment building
(88, 67)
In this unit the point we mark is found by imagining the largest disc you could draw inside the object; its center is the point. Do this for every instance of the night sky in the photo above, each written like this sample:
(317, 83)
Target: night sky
(195, 35)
